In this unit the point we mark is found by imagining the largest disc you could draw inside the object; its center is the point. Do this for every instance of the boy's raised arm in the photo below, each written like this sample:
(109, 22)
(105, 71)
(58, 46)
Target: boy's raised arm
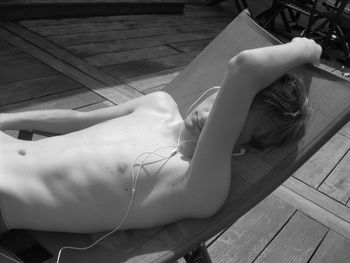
(270, 63)
(247, 74)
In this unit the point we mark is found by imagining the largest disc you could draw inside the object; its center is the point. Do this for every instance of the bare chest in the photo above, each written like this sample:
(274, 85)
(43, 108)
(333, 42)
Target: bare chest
(115, 152)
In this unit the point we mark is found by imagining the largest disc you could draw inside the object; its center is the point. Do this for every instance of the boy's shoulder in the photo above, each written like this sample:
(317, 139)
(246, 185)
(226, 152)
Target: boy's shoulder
(161, 101)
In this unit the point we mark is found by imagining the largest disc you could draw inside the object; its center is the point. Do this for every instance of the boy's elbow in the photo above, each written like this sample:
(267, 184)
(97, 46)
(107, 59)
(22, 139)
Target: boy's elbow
(245, 58)
(249, 69)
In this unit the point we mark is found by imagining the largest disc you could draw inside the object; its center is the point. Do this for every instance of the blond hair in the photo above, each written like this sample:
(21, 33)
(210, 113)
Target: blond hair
(285, 108)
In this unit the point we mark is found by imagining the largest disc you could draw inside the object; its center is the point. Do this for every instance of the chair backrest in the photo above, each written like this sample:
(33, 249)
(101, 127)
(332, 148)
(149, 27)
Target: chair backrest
(262, 172)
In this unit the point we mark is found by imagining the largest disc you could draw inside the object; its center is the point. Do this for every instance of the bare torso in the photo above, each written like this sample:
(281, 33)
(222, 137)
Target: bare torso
(82, 181)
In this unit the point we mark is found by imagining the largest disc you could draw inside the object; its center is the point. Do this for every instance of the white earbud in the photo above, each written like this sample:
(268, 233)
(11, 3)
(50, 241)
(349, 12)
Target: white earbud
(174, 152)
(241, 152)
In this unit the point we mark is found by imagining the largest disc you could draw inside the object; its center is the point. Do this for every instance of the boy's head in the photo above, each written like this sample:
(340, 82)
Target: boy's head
(278, 115)
(282, 110)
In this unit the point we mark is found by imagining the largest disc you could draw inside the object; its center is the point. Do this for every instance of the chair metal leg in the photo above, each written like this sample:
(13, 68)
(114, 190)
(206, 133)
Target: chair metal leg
(344, 45)
(199, 255)
(25, 135)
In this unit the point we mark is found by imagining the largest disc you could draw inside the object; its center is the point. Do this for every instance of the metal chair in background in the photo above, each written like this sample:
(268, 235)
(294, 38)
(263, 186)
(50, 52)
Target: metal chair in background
(326, 21)
(290, 12)
(338, 27)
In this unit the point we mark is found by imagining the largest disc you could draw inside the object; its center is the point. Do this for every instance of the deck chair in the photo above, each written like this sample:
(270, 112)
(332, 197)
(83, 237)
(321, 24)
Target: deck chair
(254, 176)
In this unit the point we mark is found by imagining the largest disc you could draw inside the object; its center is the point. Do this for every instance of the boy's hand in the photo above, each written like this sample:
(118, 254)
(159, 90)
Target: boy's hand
(312, 50)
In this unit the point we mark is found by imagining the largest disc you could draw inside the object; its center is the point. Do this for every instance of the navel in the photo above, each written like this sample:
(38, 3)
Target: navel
(22, 152)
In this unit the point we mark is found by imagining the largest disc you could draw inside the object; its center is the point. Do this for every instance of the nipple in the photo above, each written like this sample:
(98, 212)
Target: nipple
(122, 167)
(22, 152)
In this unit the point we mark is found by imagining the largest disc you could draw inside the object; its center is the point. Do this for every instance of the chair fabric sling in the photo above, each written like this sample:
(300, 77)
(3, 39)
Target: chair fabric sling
(254, 176)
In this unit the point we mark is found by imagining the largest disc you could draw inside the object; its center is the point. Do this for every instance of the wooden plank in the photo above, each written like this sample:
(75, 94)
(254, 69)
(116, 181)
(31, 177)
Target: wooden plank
(204, 28)
(73, 99)
(313, 210)
(91, 19)
(317, 168)
(337, 184)
(79, 28)
(22, 70)
(6, 48)
(245, 240)
(145, 82)
(208, 23)
(296, 242)
(30, 89)
(134, 69)
(10, 56)
(203, 10)
(65, 40)
(90, 49)
(107, 59)
(173, 40)
(95, 106)
(318, 198)
(334, 248)
(124, 91)
(12, 59)
(4, 44)
(144, 67)
(64, 62)
(11, 10)
(138, 21)
(190, 46)
(191, 11)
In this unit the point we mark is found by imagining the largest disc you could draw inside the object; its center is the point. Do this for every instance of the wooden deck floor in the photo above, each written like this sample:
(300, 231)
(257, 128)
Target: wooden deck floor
(95, 62)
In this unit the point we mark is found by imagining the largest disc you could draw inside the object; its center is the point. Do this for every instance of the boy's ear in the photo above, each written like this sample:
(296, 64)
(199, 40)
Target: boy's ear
(249, 148)
(241, 151)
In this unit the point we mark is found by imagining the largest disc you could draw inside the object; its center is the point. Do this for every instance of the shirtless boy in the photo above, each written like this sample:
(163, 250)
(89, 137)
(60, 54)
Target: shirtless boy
(81, 181)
